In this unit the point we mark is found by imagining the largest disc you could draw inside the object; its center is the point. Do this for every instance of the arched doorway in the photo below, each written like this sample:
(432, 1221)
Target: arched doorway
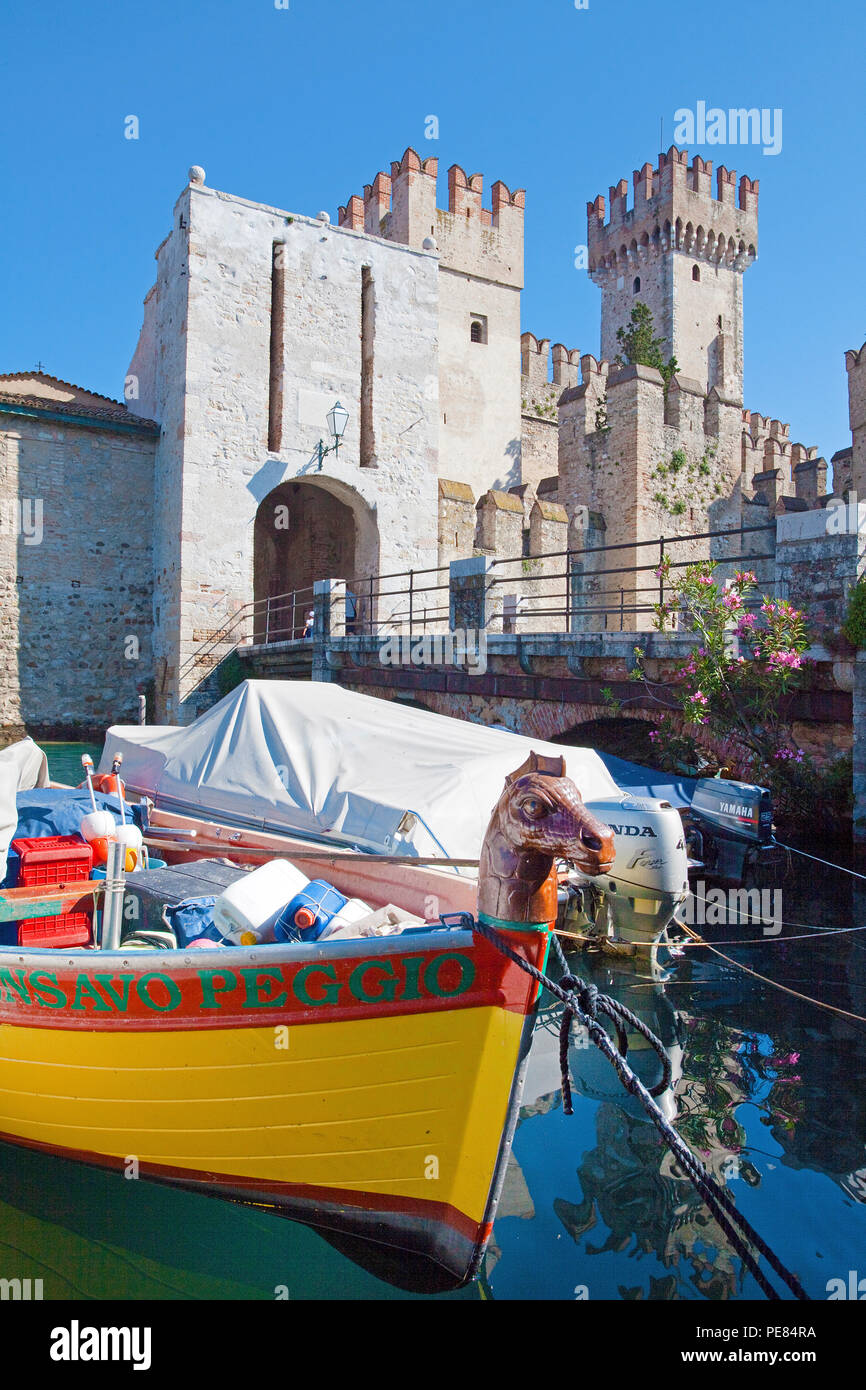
(305, 531)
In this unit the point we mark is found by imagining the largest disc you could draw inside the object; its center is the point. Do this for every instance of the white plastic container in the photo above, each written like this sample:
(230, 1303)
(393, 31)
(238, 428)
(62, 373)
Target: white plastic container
(255, 901)
(354, 911)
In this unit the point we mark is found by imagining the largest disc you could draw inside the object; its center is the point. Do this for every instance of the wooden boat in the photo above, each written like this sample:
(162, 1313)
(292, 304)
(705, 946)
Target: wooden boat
(368, 1087)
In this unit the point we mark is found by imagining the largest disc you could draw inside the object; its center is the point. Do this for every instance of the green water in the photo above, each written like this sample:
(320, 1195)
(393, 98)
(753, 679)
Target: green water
(64, 760)
(768, 1090)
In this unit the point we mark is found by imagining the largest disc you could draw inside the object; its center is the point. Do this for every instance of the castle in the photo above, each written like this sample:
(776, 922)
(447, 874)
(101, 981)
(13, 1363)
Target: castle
(207, 487)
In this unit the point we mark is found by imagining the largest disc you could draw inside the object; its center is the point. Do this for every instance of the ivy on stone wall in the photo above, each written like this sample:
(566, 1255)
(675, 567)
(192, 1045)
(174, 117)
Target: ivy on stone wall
(854, 626)
(544, 409)
(683, 482)
(639, 346)
(601, 421)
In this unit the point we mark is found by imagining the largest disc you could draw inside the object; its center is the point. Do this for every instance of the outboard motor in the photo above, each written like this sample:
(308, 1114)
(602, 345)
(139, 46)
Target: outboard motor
(730, 825)
(648, 880)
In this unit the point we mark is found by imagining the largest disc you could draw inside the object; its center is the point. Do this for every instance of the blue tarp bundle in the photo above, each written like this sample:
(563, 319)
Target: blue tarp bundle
(60, 811)
(193, 919)
(646, 781)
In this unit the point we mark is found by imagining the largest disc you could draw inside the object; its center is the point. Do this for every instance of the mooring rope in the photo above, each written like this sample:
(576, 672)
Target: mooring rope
(826, 862)
(583, 1001)
(765, 979)
(812, 929)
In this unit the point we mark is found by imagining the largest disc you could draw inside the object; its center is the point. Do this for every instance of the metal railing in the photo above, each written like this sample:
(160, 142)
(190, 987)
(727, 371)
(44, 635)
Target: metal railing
(572, 590)
(582, 593)
(277, 618)
(413, 600)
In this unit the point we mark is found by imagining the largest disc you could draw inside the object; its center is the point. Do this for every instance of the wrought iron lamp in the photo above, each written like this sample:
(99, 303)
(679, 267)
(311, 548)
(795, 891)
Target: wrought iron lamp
(337, 418)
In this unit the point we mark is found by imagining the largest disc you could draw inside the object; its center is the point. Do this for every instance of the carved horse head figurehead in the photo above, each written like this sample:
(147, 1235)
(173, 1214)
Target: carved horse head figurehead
(539, 817)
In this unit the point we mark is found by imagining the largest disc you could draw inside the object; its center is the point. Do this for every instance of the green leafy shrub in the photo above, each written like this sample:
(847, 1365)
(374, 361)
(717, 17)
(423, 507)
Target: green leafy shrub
(639, 346)
(230, 673)
(854, 626)
(729, 708)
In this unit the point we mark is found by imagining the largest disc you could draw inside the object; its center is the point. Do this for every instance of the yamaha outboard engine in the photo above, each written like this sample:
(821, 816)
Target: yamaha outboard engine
(729, 826)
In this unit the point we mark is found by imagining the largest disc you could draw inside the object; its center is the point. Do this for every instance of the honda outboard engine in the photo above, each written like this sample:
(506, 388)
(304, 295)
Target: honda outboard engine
(729, 826)
(648, 880)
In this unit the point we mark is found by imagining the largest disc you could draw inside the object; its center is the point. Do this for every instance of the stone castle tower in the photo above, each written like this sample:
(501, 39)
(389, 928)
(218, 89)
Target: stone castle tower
(480, 252)
(465, 438)
(682, 252)
(643, 458)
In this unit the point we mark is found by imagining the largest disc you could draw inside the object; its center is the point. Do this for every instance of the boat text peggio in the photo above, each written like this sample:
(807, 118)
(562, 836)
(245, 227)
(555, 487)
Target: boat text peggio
(248, 995)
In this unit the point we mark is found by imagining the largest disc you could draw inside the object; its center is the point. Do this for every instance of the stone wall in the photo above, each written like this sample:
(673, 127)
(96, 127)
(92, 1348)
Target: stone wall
(76, 608)
(855, 363)
(481, 275)
(543, 378)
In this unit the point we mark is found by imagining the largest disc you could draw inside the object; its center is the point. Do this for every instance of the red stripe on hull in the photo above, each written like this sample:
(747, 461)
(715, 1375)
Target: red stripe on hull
(102, 995)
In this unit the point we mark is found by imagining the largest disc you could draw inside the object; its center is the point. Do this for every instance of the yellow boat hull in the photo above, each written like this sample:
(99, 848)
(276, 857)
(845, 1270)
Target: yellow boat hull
(370, 1090)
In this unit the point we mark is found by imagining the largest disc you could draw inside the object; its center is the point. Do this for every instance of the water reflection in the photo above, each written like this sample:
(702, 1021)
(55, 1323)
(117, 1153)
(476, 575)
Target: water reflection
(766, 1087)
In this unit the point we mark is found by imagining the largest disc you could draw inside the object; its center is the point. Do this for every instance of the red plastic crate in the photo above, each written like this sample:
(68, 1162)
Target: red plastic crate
(46, 861)
(52, 859)
(69, 929)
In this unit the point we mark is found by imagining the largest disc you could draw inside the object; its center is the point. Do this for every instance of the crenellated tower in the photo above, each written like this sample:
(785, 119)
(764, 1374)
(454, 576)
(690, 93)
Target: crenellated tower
(682, 252)
(480, 254)
(855, 363)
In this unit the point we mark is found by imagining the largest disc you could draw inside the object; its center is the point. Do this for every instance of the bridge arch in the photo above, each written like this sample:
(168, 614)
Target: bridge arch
(624, 736)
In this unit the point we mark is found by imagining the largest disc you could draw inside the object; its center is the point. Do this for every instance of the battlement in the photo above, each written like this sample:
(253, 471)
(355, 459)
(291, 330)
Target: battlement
(855, 363)
(610, 403)
(674, 209)
(402, 207)
(775, 467)
(536, 359)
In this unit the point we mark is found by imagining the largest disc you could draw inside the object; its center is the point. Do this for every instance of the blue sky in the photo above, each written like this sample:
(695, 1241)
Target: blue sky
(300, 107)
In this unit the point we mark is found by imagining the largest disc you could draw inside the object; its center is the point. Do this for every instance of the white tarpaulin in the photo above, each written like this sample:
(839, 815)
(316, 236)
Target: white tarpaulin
(22, 766)
(309, 757)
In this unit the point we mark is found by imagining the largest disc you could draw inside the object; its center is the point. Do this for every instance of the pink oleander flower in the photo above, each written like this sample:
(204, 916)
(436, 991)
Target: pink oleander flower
(745, 622)
(730, 600)
(744, 577)
(789, 659)
(704, 579)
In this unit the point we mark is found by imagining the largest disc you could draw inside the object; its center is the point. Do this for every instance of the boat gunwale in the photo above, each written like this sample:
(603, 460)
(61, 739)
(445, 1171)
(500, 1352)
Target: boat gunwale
(279, 952)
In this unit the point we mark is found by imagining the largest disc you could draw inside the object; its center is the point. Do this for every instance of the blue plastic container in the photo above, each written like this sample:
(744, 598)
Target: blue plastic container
(309, 912)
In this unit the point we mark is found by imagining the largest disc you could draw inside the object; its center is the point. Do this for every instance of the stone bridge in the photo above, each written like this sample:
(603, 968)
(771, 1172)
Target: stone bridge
(561, 684)
(544, 685)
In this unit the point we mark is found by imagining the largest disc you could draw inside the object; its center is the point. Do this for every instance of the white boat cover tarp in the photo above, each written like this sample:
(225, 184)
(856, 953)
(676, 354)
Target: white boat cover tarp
(311, 758)
(22, 766)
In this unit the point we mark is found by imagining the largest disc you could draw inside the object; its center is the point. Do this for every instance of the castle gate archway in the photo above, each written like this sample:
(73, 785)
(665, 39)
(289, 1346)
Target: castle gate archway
(304, 531)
